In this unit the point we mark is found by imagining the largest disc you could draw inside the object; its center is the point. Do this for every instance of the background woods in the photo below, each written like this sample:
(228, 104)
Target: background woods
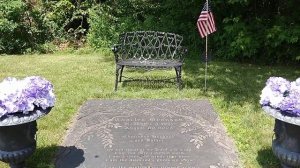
(258, 31)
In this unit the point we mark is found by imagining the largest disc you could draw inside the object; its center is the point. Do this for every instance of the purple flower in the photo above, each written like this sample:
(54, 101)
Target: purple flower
(23, 95)
(274, 92)
(278, 84)
(283, 95)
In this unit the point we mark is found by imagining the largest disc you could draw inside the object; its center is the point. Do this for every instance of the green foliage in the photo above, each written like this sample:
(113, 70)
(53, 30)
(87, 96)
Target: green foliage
(236, 41)
(114, 17)
(109, 19)
(260, 31)
(247, 30)
(68, 20)
(102, 32)
(28, 26)
(58, 15)
(21, 27)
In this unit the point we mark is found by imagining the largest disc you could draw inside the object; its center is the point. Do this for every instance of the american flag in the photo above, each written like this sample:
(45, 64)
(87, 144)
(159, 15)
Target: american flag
(206, 23)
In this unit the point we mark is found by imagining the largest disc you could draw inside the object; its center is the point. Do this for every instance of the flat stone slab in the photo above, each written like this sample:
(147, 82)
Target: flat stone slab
(147, 134)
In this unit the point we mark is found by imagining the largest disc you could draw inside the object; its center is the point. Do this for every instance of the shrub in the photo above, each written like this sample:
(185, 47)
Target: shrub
(102, 30)
(21, 27)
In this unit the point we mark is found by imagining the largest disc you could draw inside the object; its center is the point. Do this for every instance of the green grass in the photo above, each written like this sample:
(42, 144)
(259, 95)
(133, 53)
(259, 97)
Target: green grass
(233, 89)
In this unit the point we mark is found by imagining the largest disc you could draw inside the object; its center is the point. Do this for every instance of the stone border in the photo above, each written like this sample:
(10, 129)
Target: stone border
(20, 118)
(278, 115)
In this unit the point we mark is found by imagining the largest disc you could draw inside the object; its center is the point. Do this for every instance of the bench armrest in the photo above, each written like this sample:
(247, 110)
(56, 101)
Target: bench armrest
(115, 48)
(183, 52)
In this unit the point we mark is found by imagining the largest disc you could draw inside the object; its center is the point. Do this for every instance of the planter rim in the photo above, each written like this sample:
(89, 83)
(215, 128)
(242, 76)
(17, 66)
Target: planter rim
(278, 115)
(20, 118)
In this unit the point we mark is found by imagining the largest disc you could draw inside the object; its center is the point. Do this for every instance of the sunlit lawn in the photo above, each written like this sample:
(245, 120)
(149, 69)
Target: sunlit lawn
(233, 89)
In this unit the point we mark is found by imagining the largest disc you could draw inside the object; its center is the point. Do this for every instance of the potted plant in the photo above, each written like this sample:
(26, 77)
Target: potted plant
(22, 102)
(281, 99)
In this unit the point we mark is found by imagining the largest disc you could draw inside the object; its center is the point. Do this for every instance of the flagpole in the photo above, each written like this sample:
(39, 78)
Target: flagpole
(206, 47)
(205, 63)
(206, 26)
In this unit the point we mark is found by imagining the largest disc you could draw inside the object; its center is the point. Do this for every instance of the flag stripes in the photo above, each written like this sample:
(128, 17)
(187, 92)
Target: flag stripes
(206, 23)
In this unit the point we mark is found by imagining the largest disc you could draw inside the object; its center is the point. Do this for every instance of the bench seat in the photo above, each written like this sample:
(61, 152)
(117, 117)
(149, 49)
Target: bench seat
(150, 63)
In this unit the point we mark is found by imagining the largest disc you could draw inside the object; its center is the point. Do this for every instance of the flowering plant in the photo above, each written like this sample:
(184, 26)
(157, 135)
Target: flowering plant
(22, 96)
(282, 95)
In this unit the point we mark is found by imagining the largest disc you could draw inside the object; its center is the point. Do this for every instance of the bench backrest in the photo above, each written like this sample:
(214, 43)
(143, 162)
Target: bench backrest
(150, 45)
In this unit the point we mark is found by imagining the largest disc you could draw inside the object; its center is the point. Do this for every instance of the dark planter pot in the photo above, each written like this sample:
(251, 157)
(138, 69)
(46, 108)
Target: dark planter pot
(17, 143)
(286, 145)
(17, 136)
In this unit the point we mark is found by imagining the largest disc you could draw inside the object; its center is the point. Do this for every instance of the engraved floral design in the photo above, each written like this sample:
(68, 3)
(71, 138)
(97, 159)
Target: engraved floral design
(219, 165)
(106, 135)
(103, 125)
(198, 139)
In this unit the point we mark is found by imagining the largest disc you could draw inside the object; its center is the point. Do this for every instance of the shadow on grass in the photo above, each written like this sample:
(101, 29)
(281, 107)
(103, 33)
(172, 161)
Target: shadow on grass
(267, 159)
(66, 157)
(149, 78)
(236, 82)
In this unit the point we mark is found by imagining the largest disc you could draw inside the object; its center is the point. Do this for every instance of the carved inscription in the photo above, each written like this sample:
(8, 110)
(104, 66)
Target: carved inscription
(149, 155)
(148, 123)
(142, 140)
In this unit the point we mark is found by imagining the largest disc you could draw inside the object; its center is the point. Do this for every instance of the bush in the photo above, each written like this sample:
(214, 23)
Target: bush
(21, 27)
(102, 31)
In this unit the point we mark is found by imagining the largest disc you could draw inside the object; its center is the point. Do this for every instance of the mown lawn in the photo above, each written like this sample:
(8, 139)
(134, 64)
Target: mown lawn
(233, 89)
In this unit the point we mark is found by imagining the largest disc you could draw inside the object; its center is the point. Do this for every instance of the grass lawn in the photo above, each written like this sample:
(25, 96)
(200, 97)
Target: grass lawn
(233, 89)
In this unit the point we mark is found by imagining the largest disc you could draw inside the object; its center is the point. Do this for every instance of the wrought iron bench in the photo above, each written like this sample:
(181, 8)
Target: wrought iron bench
(149, 49)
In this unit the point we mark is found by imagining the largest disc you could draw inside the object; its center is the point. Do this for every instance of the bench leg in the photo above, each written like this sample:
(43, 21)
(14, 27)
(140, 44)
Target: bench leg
(120, 79)
(118, 67)
(178, 77)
